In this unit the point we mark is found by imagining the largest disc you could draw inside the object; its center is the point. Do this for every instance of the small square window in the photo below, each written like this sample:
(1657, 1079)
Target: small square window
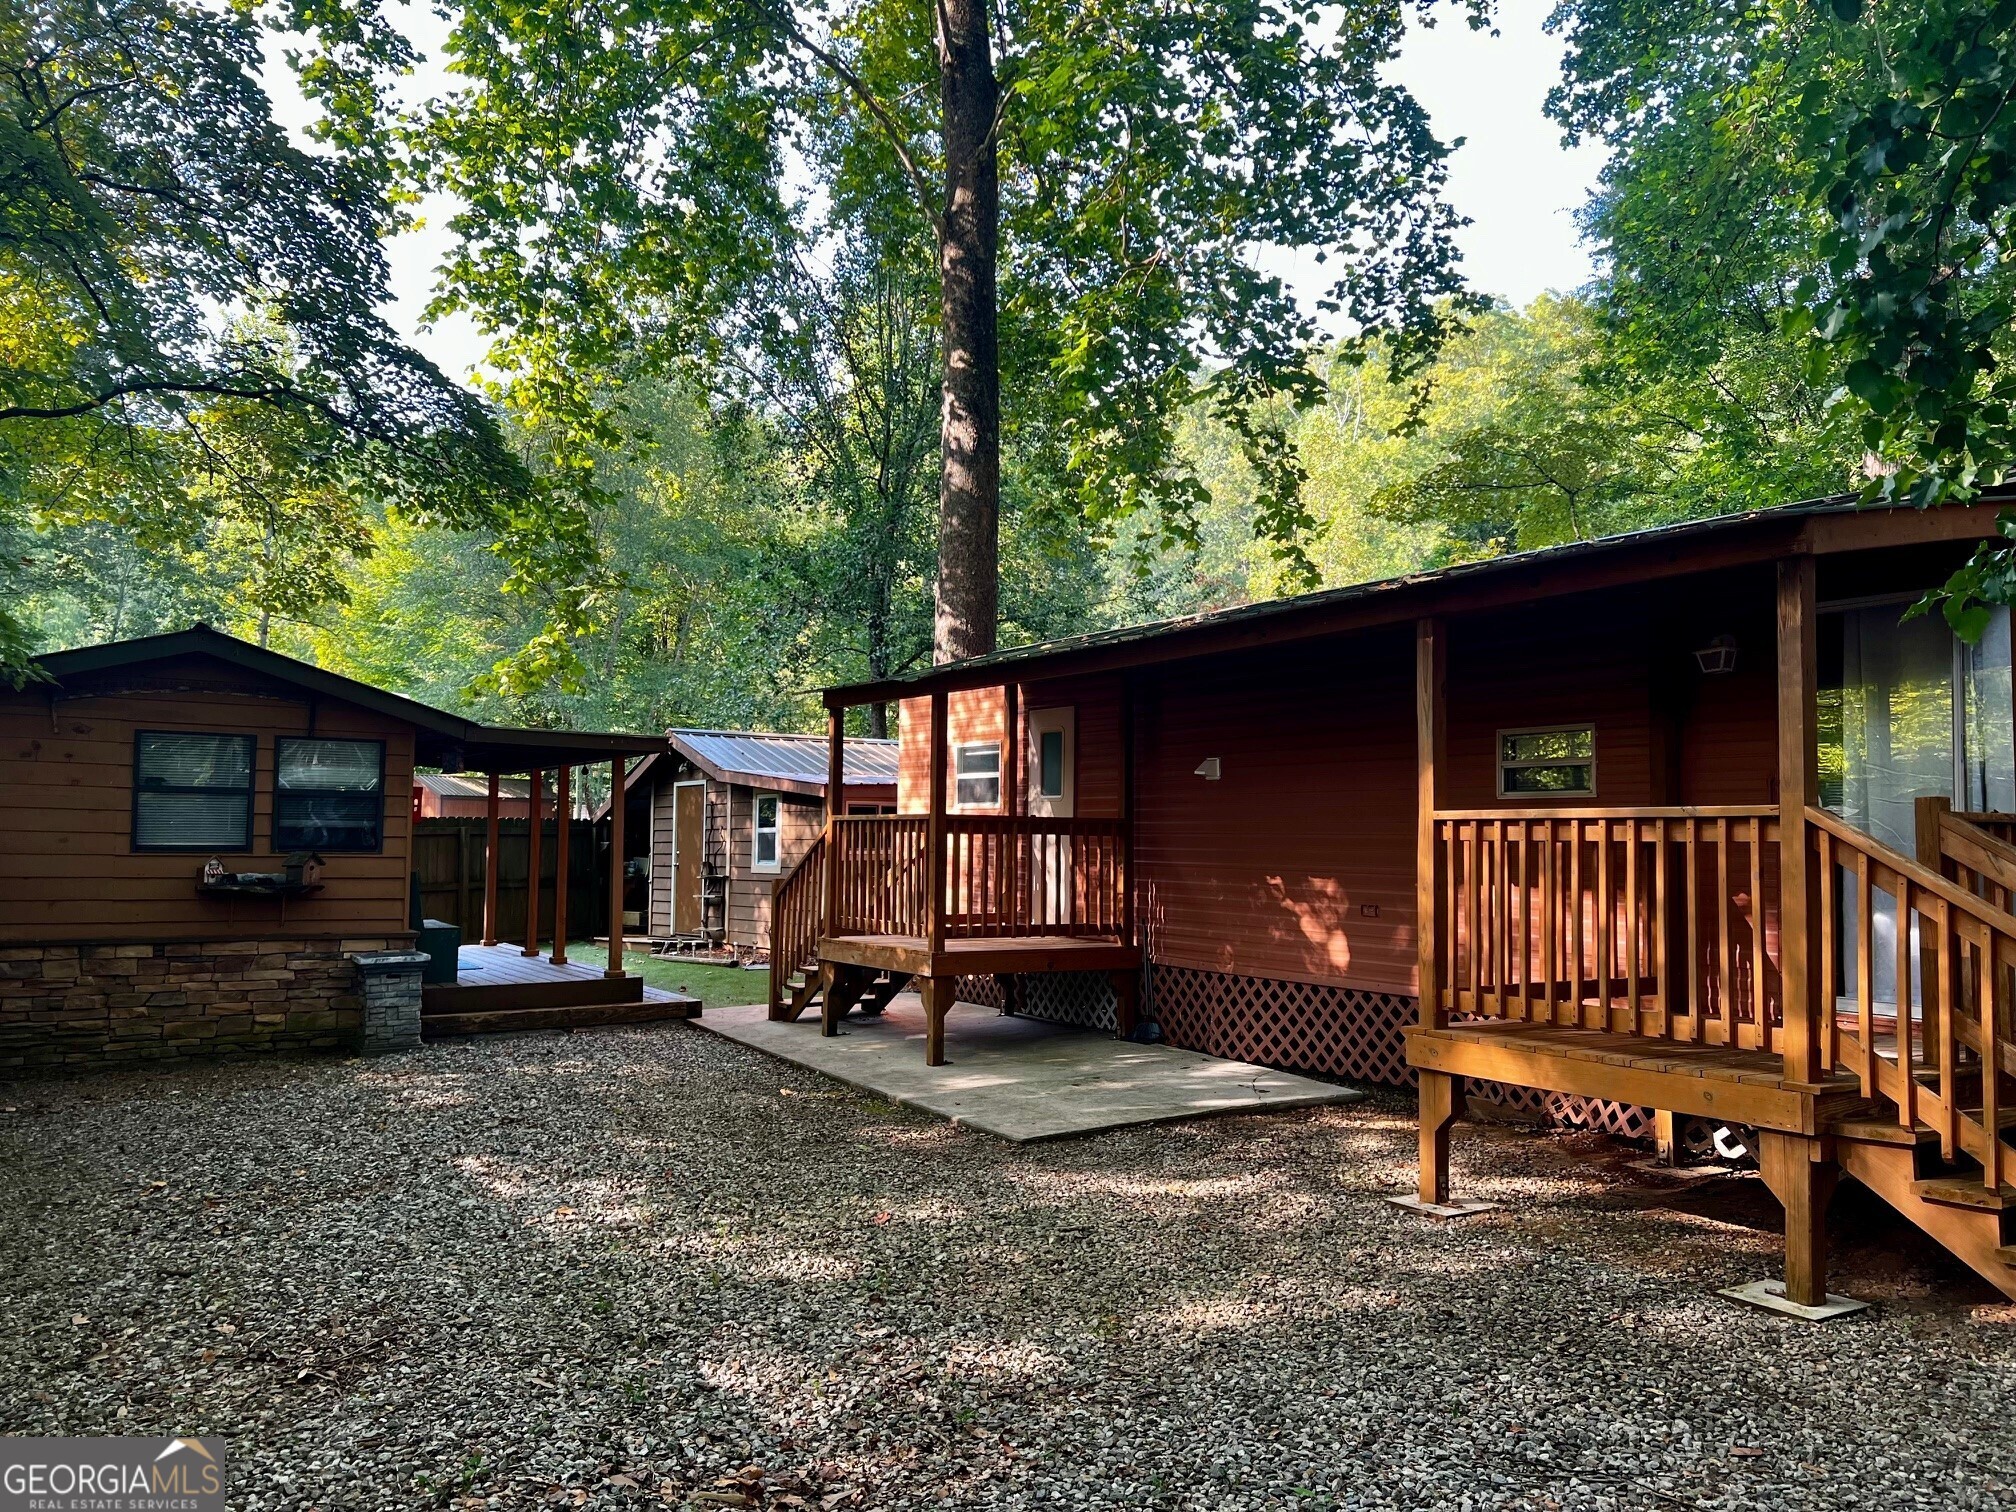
(976, 774)
(192, 792)
(1050, 764)
(328, 795)
(763, 854)
(1542, 762)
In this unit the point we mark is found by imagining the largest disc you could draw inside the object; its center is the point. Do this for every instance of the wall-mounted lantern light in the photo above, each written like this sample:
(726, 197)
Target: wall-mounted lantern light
(1208, 769)
(1717, 657)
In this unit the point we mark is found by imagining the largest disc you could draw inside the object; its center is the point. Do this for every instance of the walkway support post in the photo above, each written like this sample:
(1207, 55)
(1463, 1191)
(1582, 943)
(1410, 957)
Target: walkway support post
(490, 813)
(563, 809)
(934, 831)
(619, 800)
(836, 805)
(536, 802)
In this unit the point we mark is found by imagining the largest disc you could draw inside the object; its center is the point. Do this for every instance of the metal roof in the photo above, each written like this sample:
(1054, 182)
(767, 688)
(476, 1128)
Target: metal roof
(1393, 598)
(449, 785)
(758, 756)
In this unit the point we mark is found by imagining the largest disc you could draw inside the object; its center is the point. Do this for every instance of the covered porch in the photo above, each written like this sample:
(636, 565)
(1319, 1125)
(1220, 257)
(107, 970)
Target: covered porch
(884, 901)
(532, 982)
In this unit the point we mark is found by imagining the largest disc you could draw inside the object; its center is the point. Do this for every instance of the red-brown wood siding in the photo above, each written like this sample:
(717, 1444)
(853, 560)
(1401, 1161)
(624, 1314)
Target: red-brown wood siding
(67, 867)
(1298, 862)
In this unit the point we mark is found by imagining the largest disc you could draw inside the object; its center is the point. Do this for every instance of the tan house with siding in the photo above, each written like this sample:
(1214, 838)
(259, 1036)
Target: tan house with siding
(730, 812)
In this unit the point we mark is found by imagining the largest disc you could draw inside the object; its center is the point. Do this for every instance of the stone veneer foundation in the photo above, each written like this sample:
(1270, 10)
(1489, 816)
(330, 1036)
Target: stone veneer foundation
(83, 1005)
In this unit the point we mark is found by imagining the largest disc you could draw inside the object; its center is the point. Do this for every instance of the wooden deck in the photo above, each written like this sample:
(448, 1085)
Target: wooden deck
(986, 956)
(1709, 1081)
(499, 988)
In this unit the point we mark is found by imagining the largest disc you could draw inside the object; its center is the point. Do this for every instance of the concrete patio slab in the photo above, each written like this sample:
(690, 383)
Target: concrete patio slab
(1022, 1079)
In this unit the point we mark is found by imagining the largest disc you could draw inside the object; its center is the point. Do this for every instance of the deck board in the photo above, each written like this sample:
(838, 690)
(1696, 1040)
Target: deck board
(495, 982)
(982, 956)
(1716, 1081)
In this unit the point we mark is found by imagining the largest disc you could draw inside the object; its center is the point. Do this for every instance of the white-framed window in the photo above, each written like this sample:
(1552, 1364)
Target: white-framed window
(1542, 763)
(763, 833)
(976, 775)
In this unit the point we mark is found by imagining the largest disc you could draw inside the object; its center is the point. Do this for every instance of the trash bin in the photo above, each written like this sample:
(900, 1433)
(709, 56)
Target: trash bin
(442, 945)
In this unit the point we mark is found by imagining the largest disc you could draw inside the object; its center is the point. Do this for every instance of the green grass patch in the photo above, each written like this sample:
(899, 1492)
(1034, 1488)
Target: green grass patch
(715, 986)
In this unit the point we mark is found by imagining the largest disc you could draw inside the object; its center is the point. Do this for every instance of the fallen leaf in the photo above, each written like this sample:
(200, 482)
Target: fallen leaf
(1744, 1451)
(80, 1319)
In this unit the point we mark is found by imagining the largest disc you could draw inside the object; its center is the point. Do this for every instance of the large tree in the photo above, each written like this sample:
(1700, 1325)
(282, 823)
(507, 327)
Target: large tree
(1099, 182)
(170, 260)
(1841, 175)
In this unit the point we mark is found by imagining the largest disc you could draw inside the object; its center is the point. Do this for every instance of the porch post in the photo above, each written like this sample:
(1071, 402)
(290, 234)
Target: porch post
(563, 805)
(1431, 675)
(934, 830)
(1127, 929)
(536, 801)
(836, 805)
(1798, 787)
(1014, 761)
(490, 865)
(619, 801)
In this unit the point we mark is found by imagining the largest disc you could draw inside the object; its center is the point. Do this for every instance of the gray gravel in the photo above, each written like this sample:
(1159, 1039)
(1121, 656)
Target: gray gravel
(650, 1267)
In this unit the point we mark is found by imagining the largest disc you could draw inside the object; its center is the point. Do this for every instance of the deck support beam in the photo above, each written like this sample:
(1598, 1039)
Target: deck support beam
(844, 987)
(536, 800)
(1126, 1002)
(1801, 1172)
(491, 811)
(936, 991)
(1442, 1104)
(563, 806)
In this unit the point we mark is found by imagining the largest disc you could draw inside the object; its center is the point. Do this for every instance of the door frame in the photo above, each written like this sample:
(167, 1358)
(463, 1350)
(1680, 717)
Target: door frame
(672, 901)
(1064, 719)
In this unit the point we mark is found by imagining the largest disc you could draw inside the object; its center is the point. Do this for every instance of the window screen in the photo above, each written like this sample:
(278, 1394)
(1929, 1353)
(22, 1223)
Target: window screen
(1547, 761)
(764, 848)
(328, 795)
(977, 776)
(192, 792)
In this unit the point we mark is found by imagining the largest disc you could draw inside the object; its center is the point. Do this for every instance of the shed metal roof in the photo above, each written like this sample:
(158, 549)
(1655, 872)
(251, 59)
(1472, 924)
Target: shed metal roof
(757, 756)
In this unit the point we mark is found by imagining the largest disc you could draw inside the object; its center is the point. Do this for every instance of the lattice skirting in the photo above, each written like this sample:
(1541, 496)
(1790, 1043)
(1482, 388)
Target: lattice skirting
(1083, 999)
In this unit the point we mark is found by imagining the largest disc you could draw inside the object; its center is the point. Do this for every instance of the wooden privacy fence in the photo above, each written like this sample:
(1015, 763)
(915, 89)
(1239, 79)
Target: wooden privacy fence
(448, 859)
(1654, 921)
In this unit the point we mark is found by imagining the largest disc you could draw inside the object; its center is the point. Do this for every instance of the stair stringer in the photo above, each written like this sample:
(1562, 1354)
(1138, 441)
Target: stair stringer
(1972, 1235)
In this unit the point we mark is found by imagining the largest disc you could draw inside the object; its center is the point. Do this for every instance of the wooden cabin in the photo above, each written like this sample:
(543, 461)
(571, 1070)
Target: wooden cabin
(1691, 824)
(458, 795)
(128, 768)
(729, 812)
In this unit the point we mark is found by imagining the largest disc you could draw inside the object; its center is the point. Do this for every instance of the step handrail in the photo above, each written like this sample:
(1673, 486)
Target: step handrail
(797, 919)
(1967, 980)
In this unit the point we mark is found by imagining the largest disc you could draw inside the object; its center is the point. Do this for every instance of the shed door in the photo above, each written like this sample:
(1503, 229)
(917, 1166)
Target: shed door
(688, 804)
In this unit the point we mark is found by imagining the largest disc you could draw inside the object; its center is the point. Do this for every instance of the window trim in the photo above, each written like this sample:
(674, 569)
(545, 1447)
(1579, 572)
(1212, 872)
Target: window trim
(756, 831)
(335, 850)
(977, 808)
(1502, 765)
(251, 790)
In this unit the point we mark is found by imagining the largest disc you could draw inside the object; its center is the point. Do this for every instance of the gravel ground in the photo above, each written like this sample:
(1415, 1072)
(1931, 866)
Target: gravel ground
(651, 1267)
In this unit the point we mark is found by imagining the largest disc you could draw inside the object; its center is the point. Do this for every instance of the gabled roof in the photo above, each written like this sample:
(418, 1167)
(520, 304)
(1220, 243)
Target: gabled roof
(1813, 526)
(440, 738)
(794, 763)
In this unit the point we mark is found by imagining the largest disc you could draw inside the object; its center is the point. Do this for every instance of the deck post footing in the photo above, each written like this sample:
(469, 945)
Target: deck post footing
(1466, 1207)
(1771, 1294)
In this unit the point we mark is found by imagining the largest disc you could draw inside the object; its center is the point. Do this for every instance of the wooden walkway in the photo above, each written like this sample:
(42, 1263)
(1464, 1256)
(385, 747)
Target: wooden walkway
(499, 988)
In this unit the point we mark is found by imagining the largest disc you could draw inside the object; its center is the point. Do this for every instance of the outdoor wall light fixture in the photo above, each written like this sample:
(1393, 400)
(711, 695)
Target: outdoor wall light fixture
(1717, 657)
(1208, 769)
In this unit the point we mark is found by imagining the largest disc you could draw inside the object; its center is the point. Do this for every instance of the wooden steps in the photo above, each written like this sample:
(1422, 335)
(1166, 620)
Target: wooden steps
(573, 1016)
(1957, 1191)
(1976, 1225)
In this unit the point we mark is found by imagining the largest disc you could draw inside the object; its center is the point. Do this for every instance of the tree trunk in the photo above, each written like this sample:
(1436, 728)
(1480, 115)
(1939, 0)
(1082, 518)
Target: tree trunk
(878, 721)
(969, 490)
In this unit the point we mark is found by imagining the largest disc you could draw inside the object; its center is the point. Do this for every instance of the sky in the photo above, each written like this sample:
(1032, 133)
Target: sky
(1512, 177)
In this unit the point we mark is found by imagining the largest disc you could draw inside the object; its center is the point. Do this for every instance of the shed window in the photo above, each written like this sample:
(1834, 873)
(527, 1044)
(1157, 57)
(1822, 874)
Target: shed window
(763, 843)
(328, 795)
(1560, 760)
(976, 771)
(192, 792)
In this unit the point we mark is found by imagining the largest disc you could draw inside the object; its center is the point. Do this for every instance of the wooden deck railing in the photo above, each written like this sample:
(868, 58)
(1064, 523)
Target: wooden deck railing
(1656, 921)
(797, 906)
(1005, 876)
(1020, 875)
(1939, 1053)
